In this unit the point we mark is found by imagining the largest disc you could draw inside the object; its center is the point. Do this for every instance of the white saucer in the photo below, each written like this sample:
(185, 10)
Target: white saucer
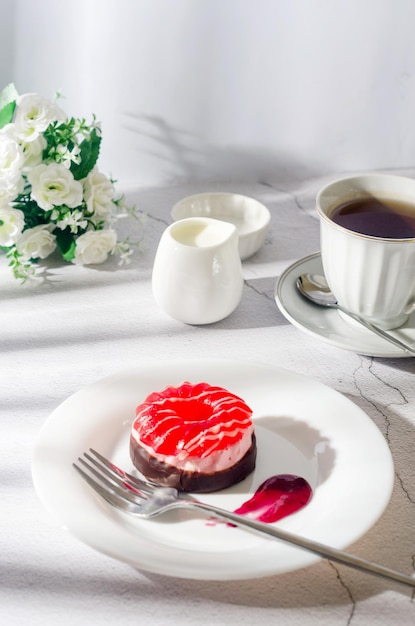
(327, 324)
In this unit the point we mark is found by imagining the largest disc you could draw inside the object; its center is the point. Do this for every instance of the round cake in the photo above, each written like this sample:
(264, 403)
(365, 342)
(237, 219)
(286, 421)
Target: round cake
(195, 437)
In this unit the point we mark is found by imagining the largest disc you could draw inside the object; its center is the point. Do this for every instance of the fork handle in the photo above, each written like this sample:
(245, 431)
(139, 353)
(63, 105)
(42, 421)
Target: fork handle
(307, 544)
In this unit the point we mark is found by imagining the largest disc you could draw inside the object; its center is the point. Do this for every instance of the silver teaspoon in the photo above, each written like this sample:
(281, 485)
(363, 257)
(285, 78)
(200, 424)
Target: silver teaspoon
(315, 288)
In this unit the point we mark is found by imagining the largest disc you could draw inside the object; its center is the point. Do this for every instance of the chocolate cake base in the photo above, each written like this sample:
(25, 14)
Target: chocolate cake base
(168, 476)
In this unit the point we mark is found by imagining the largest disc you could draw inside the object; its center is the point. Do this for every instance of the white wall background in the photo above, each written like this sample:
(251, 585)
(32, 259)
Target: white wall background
(7, 42)
(225, 89)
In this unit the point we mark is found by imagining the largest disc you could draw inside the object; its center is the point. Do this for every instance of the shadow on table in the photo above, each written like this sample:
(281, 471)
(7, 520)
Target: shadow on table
(257, 308)
(404, 364)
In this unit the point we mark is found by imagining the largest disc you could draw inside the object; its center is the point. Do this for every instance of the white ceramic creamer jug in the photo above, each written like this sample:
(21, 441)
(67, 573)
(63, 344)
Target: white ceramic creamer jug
(197, 273)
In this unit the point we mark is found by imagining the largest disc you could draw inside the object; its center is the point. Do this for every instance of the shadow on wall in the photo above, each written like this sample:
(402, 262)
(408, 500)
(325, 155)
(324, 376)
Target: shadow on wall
(185, 156)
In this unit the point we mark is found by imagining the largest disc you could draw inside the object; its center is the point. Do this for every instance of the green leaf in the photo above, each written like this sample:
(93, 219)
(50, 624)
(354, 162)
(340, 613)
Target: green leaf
(89, 148)
(6, 114)
(9, 94)
(70, 253)
(33, 214)
(66, 243)
(7, 104)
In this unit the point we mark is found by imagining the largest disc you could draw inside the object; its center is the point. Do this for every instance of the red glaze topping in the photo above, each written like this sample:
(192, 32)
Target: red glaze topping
(192, 419)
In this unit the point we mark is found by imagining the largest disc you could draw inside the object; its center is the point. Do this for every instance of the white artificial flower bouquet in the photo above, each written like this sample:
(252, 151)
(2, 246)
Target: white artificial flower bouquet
(52, 195)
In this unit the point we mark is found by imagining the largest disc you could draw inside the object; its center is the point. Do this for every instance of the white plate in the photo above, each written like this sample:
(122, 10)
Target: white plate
(328, 324)
(303, 428)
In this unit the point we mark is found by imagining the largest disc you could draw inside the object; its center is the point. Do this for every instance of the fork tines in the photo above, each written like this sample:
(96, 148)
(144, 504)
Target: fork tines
(109, 480)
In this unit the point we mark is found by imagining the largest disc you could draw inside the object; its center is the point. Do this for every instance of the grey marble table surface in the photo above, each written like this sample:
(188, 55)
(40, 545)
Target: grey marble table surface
(88, 323)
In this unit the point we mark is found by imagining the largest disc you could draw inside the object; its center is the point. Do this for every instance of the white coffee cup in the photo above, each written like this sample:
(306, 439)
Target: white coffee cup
(372, 275)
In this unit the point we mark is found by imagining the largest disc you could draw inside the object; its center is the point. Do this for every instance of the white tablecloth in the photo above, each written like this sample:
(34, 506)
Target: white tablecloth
(89, 323)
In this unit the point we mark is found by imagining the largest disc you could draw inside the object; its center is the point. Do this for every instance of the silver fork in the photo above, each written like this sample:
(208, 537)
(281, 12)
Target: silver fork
(146, 500)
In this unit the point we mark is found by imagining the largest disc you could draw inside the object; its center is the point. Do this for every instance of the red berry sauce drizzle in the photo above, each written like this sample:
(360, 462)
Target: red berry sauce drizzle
(276, 498)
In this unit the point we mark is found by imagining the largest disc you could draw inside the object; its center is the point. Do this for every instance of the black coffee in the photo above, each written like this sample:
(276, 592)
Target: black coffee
(391, 219)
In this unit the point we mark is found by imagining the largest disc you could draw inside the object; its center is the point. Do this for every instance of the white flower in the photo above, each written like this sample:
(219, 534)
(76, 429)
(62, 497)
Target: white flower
(54, 185)
(75, 220)
(124, 251)
(11, 163)
(10, 192)
(66, 157)
(11, 160)
(11, 225)
(37, 242)
(33, 152)
(8, 130)
(98, 194)
(33, 115)
(94, 246)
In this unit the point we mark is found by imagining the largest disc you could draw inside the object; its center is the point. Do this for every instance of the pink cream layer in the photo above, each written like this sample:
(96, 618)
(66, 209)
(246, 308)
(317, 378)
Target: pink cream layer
(216, 461)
